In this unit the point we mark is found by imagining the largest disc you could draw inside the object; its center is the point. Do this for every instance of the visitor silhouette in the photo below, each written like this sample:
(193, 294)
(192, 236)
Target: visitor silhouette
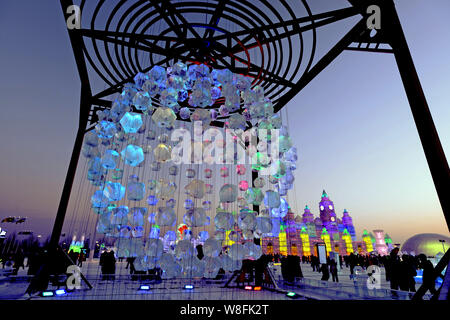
(428, 276)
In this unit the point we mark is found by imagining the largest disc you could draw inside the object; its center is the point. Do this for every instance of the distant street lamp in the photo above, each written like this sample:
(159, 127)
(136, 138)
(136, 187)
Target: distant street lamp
(443, 247)
(2, 233)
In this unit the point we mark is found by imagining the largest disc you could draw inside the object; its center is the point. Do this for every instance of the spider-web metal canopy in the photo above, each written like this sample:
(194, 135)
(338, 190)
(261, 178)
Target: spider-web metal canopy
(272, 42)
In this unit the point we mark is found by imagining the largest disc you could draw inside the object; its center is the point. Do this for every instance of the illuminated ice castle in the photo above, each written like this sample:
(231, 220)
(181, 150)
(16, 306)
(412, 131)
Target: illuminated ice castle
(299, 234)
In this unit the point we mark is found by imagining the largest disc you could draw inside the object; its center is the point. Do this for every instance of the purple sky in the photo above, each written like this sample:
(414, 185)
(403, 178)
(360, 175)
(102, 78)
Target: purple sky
(353, 127)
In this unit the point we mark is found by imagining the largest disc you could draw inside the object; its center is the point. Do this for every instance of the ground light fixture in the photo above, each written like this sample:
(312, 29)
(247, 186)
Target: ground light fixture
(52, 293)
(253, 288)
(47, 294)
(60, 292)
(144, 287)
(189, 287)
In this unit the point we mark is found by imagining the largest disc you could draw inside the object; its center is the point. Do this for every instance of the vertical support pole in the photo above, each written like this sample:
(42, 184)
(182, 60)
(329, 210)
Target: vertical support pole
(255, 207)
(65, 196)
(77, 43)
(43, 275)
(254, 177)
(429, 137)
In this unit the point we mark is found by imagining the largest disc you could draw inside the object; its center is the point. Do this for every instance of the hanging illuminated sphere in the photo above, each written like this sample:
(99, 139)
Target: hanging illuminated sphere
(203, 235)
(165, 216)
(206, 205)
(241, 201)
(162, 152)
(272, 199)
(246, 220)
(196, 217)
(131, 122)
(234, 236)
(164, 117)
(212, 248)
(208, 188)
(185, 113)
(105, 129)
(247, 234)
(254, 196)
(224, 221)
(171, 203)
(151, 135)
(109, 159)
(132, 155)
(237, 251)
(224, 172)
(173, 170)
(196, 189)
(259, 183)
(208, 173)
(278, 169)
(137, 216)
(99, 200)
(185, 250)
(190, 173)
(154, 233)
(154, 247)
(263, 224)
(170, 236)
(228, 193)
(119, 215)
(243, 185)
(188, 204)
(240, 169)
(114, 191)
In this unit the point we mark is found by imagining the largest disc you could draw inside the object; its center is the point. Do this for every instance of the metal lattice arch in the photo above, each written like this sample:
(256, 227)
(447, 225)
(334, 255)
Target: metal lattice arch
(275, 45)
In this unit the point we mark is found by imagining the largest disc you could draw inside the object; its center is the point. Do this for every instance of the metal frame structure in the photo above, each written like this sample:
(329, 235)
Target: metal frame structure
(181, 40)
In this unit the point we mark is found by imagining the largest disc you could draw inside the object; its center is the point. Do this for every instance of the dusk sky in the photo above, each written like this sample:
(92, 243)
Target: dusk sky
(352, 125)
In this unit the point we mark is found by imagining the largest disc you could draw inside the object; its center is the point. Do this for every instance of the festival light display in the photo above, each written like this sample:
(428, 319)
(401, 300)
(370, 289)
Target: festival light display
(136, 131)
(380, 244)
(368, 241)
(305, 242)
(326, 238)
(283, 243)
(348, 241)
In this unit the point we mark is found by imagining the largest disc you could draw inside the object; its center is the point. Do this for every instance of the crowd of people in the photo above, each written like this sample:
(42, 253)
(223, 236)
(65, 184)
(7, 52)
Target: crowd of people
(400, 271)
(13, 262)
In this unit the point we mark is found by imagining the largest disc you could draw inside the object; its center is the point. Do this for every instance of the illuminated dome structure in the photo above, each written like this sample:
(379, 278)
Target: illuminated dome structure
(426, 243)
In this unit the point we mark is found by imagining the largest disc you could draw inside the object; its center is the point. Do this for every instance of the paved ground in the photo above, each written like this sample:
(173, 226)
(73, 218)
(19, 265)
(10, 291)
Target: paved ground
(125, 288)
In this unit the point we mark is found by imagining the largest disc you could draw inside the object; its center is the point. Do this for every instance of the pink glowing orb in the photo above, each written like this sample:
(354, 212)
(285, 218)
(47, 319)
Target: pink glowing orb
(240, 169)
(243, 185)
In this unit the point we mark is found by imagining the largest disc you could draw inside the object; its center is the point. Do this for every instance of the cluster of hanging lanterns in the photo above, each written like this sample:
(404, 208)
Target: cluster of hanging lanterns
(197, 88)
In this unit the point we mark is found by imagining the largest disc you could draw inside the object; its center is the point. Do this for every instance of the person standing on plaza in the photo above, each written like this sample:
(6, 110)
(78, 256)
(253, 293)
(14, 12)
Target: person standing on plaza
(395, 271)
(334, 270)
(428, 276)
(325, 272)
